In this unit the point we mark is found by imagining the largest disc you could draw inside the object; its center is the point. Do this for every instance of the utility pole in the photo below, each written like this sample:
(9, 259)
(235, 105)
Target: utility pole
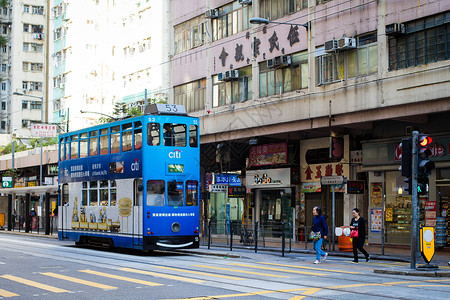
(415, 200)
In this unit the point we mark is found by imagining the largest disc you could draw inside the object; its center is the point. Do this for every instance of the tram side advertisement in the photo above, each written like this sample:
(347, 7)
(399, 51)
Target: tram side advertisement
(127, 165)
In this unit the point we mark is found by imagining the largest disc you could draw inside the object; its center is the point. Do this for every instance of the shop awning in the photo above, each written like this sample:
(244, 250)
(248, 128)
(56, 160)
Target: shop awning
(33, 190)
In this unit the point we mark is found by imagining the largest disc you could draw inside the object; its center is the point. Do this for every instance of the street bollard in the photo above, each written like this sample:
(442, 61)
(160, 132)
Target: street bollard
(209, 234)
(283, 239)
(256, 236)
(231, 235)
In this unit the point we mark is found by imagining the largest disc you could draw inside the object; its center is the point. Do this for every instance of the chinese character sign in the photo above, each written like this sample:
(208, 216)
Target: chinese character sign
(43, 130)
(270, 154)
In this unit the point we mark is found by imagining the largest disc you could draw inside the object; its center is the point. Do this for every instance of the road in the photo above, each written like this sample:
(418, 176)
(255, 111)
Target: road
(38, 268)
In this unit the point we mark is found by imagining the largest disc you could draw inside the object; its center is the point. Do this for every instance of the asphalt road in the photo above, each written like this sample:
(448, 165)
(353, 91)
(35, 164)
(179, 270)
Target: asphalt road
(37, 268)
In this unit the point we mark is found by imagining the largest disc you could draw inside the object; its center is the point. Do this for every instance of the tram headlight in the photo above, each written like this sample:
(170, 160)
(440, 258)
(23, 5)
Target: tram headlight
(176, 227)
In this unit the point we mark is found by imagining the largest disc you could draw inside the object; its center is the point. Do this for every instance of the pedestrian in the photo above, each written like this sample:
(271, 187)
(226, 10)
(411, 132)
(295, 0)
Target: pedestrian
(319, 226)
(358, 234)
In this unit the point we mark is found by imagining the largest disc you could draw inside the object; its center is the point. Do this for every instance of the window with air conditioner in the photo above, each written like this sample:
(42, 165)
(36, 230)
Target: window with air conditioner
(237, 90)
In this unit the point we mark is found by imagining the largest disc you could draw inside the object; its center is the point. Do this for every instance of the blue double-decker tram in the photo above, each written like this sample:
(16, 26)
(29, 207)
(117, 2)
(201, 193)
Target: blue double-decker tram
(132, 183)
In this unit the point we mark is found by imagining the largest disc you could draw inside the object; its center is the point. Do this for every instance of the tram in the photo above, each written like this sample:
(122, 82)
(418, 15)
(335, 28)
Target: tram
(132, 183)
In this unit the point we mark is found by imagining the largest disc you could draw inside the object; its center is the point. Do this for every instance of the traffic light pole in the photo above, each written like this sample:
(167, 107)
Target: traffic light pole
(414, 200)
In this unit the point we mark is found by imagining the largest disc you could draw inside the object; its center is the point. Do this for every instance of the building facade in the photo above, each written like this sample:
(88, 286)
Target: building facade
(24, 67)
(340, 82)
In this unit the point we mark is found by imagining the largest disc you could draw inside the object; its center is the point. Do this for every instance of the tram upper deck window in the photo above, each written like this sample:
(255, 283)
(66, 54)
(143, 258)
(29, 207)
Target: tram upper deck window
(104, 141)
(127, 137)
(83, 145)
(193, 136)
(191, 193)
(74, 146)
(156, 193)
(137, 135)
(174, 134)
(115, 139)
(174, 193)
(61, 149)
(93, 143)
(153, 133)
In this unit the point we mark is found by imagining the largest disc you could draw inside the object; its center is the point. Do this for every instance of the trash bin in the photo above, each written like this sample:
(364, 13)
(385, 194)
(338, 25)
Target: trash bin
(344, 242)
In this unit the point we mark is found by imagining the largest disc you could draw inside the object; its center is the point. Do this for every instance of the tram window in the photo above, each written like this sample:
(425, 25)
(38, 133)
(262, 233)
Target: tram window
(113, 192)
(137, 135)
(93, 143)
(104, 141)
(127, 137)
(104, 193)
(84, 194)
(138, 192)
(93, 197)
(83, 145)
(174, 193)
(191, 193)
(66, 147)
(74, 146)
(174, 134)
(193, 136)
(115, 139)
(153, 130)
(156, 193)
(61, 149)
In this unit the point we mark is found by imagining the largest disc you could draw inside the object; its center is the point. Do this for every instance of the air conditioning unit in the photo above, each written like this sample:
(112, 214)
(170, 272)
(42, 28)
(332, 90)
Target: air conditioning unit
(346, 43)
(395, 29)
(331, 45)
(245, 2)
(279, 61)
(212, 13)
(228, 75)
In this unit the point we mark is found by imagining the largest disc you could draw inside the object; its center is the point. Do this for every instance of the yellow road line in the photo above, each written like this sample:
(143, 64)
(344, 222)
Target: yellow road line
(200, 273)
(433, 285)
(275, 269)
(121, 278)
(80, 281)
(179, 278)
(239, 271)
(6, 294)
(309, 268)
(35, 284)
(308, 291)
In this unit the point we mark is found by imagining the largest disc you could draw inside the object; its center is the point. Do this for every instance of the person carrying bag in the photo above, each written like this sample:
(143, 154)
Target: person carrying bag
(319, 232)
(358, 235)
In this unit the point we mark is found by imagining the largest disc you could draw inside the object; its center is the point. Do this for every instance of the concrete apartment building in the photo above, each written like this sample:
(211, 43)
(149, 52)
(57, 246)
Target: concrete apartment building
(114, 60)
(23, 67)
(354, 76)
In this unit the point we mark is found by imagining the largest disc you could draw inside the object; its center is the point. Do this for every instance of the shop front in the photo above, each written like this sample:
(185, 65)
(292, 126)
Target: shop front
(390, 207)
(273, 198)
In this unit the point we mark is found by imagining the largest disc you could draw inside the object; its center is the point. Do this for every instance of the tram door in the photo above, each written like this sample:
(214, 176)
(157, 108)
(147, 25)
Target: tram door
(138, 212)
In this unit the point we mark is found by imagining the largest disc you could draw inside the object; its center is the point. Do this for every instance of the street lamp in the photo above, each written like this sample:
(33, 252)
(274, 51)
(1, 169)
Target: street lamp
(260, 21)
(42, 120)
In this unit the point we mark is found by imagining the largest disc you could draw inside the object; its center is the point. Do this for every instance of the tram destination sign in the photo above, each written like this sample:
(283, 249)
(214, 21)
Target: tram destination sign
(333, 180)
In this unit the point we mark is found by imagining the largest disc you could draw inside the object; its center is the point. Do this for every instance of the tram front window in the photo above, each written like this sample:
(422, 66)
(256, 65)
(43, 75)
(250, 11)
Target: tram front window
(174, 193)
(155, 192)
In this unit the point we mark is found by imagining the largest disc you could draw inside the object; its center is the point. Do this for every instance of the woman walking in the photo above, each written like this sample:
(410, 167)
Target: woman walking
(319, 225)
(358, 234)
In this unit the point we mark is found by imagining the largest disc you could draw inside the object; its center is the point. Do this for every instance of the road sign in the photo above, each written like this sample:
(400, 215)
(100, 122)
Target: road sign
(332, 180)
(427, 243)
(7, 182)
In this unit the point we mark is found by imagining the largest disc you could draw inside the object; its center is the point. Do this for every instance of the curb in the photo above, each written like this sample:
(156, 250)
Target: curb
(413, 272)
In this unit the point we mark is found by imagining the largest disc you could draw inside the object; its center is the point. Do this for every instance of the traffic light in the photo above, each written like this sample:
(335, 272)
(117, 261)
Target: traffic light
(424, 165)
(406, 167)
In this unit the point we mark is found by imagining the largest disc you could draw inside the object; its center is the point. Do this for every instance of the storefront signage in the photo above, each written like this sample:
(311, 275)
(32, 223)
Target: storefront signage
(355, 187)
(230, 179)
(7, 182)
(218, 188)
(52, 170)
(332, 180)
(236, 192)
(311, 187)
(269, 178)
(43, 130)
(268, 154)
(375, 220)
(430, 213)
(376, 193)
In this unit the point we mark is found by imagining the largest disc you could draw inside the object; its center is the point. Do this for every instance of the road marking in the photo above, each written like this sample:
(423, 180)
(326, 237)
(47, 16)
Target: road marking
(239, 271)
(353, 285)
(309, 268)
(35, 284)
(5, 294)
(200, 273)
(179, 278)
(80, 281)
(121, 278)
(308, 291)
(433, 285)
(275, 269)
